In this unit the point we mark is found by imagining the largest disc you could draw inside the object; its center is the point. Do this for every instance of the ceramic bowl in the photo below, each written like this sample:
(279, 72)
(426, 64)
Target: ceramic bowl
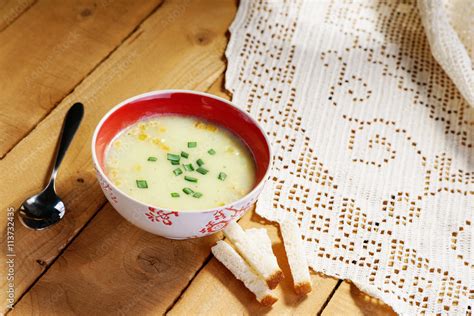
(171, 223)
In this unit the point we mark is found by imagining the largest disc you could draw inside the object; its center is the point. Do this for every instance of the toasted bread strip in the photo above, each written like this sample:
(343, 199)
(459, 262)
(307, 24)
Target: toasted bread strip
(260, 236)
(240, 269)
(303, 288)
(296, 256)
(266, 266)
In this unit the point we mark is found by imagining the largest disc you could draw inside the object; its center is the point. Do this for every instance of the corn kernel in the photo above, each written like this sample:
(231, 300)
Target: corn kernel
(211, 128)
(137, 168)
(113, 173)
(202, 125)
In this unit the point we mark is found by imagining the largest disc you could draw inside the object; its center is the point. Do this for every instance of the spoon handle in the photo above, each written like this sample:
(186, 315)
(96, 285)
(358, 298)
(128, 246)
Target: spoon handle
(71, 123)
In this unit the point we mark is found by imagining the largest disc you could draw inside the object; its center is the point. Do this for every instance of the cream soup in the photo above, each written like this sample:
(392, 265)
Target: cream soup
(180, 163)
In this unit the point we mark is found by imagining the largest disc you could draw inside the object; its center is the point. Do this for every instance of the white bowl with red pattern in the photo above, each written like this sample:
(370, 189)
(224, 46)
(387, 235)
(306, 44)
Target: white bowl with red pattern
(177, 224)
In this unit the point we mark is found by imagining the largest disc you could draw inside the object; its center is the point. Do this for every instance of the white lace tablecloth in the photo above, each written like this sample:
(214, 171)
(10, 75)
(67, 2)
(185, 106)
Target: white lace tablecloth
(372, 142)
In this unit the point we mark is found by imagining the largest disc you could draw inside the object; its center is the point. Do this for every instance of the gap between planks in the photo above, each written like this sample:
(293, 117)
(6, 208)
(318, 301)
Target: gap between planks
(339, 282)
(17, 16)
(185, 288)
(67, 93)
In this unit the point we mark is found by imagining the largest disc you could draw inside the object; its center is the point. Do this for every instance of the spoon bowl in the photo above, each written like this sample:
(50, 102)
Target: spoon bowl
(42, 210)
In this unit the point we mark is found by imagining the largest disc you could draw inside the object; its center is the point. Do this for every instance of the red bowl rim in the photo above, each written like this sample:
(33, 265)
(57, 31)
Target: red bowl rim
(256, 188)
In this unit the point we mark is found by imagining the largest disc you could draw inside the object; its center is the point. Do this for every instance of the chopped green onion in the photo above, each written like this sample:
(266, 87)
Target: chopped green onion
(211, 152)
(201, 170)
(197, 195)
(174, 162)
(142, 184)
(175, 194)
(199, 162)
(184, 154)
(177, 171)
(173, 157)
(188, 191)
(190, 179)
(192, 144)
(152, 158)
(188, 167)
(222, 176)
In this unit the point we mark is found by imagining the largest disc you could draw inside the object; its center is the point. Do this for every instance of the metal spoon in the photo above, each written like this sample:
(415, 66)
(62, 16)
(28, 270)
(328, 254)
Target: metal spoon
(46, 208)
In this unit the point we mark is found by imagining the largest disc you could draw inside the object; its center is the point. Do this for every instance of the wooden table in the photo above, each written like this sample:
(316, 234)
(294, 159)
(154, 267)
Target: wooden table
(56, 52)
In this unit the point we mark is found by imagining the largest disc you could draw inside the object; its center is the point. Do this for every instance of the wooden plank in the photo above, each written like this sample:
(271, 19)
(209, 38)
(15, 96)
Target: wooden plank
(215, 291)
(179, 46)
(49, 50)
(349, 300)
(114, 268)
(10, 10)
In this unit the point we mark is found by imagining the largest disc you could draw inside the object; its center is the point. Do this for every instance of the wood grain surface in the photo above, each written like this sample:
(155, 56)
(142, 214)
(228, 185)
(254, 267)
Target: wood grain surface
(93, 262)
(50, 48)
(10, 10)
(115, 268)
